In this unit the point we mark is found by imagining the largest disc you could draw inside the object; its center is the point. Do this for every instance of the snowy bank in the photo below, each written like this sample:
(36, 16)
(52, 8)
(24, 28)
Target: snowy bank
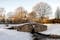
(6, 34)
(53, 29)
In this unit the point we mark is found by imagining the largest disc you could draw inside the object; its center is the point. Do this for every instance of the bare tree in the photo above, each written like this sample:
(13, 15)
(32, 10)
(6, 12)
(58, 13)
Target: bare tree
(11, 14)
(32, 14)
(57, 14)
(2, 14)
(2, 11)
(42, 9)
(21, 12)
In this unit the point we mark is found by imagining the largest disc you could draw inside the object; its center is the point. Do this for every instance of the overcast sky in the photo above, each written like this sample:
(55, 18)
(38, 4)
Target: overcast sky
(11, 5)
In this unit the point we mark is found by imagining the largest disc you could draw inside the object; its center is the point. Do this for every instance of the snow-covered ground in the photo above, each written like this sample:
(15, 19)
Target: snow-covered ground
(6, 34)
(53, 29)
(2, 25)
(10, 25)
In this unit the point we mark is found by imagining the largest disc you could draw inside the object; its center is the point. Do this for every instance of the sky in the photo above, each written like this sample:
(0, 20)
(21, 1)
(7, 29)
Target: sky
(11, 5)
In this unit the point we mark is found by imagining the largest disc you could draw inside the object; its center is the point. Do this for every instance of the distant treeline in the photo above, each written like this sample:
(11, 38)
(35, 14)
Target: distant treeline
(46, 21)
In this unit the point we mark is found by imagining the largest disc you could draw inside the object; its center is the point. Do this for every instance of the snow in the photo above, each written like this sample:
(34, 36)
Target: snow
(10, 25)
(6, 34)
(2, 25)
(53, 29)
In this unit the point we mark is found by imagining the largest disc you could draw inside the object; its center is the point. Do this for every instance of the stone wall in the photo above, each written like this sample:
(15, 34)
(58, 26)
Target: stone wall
(30, 27)
(40, 28)
(26, 28)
